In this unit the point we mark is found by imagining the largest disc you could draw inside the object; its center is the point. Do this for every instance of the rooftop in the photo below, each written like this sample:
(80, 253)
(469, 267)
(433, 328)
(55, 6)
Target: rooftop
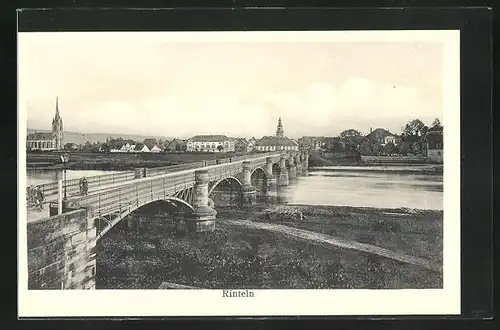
(39, 136)
(275, 141)
(209, 138)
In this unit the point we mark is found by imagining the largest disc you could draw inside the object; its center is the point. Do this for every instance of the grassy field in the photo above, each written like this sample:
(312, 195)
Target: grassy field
(418, 233)
(118, 161)
(238, 257)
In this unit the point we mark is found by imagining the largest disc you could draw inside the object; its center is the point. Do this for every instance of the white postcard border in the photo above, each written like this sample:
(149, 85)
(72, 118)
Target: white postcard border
(61, 303)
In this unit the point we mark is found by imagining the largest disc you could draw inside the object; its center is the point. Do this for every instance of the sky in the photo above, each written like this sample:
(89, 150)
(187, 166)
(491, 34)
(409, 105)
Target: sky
(150, 84)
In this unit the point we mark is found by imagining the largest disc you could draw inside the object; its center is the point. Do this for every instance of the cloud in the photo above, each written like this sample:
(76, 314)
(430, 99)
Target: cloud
(132, 83)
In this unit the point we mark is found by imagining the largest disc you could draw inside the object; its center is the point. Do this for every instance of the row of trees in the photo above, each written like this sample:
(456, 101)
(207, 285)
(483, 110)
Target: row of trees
(351, 141)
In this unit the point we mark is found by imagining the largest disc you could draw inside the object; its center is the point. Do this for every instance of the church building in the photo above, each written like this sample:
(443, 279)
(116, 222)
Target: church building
(48, 141)
(278, 142)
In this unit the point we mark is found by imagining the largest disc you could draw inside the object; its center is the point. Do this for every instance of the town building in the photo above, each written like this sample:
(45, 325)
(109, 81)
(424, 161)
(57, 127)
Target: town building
(156, 149)
(210, 143)
(127, 147)
(278, 142)
(433, 146)
(240, 145)
(382, 137)
(251, 144)
(48, 141)
(311, 143)
(152, 145)
(140, 147)
(176, 145)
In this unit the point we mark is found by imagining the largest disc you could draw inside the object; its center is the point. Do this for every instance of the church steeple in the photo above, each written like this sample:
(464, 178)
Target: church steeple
(57, 106)
(279, 129)
(57, 128)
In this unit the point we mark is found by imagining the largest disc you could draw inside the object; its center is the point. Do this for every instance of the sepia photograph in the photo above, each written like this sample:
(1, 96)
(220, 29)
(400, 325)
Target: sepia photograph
(240, 170)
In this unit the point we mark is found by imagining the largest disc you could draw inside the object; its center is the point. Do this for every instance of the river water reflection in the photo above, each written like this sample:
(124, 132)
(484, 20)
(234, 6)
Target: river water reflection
(362, 188)
(36, 177)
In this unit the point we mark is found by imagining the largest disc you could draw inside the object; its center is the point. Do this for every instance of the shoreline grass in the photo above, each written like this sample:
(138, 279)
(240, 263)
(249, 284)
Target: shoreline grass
(236, 257)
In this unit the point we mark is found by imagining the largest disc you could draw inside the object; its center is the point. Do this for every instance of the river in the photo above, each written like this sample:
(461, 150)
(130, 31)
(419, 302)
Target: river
(342, 187)
(36, 177)
(362, 188)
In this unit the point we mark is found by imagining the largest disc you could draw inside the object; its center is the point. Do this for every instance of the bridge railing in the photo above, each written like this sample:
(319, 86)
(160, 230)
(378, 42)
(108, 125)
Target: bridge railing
(136, 193)
(181, 167)
(73, 185)
(95, 182)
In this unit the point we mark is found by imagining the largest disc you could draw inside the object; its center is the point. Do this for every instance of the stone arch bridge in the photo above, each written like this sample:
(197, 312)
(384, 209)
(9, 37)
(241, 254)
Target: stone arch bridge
(191, 189)
(61, 248)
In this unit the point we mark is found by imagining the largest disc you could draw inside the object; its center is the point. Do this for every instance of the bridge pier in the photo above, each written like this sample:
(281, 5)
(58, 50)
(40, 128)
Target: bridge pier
(270, 179)
(248, 191)
(305, 162)
(292, 171)
(203, 217)
(283, 176)
(298, 164)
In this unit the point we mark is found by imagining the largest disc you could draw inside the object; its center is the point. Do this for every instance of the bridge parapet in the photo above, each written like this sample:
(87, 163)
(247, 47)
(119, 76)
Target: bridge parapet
(99, 181)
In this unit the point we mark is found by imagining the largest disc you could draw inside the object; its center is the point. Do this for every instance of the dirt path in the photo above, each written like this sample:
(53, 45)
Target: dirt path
(317, 237)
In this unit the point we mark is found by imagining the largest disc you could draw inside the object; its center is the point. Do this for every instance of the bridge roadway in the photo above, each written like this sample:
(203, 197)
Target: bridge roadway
(72, 186)
(187, 189)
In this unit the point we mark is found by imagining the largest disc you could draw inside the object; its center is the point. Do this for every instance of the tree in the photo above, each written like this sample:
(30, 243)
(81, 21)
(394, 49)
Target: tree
(220, 147)
(436, 125)
(414, 128)
(389, 148)
(105, 148)
(365, 148)
(348, 133)
(333, 145)
(403, 148)
(413, 133)
(376, 149)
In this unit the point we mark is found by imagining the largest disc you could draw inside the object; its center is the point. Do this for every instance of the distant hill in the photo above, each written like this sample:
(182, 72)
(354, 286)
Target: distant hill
(81, 138)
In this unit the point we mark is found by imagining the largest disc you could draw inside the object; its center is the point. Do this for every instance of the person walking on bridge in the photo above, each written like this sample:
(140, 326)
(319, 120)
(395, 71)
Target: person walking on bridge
(83, 186)
(41, 196)
(38, 197)
(80, 186)
(30, 195)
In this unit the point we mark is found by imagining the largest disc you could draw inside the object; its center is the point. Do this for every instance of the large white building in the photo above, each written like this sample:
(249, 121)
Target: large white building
(278, 142)
(210, 143)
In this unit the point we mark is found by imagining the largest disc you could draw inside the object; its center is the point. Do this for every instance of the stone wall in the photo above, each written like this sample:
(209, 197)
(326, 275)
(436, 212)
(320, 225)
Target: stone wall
(61, 252)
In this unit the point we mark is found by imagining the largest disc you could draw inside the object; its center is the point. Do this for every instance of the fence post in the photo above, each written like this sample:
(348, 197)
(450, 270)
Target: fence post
(136, 195)
(59, 197)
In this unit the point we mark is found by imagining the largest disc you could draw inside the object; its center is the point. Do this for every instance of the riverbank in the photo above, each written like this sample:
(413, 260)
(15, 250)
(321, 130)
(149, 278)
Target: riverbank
(117, 161)
(239, 256)
(396, 169)
(318, 159)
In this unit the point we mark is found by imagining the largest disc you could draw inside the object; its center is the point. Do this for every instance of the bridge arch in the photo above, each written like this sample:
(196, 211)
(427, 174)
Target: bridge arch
(113, 221)
(276, 168)
(228, 179)
(258, 171)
